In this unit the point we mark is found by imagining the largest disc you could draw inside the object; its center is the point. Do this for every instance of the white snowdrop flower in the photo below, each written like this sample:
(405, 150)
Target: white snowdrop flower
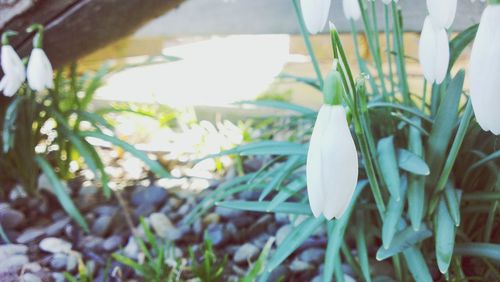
(39, 71)
(332, 163)
(13, 68)
(352, 10)
(434, 52)
(315, 13)
(484, 71)
(442, 12)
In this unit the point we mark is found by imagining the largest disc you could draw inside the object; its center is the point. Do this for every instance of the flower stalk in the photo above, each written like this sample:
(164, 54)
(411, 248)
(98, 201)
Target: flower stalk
(358, 94)
(307, 42)
(38, 38)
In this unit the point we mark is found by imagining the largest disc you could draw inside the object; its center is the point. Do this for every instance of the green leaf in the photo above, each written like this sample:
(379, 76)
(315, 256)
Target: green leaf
(445, 229)
(259, 265)
(416, 184)
(413, 111)
(225, 189)
(155, 167)
(9, 124)
(95, 119)
(452, 155)
(416, 264)
(60, 192)
(264, 148)
(485, 160)
(306, 80)
(444, 125)
(280, 105)
(403, 240)
(336, 234)
(298, 235)
(93, 85)
(85, 150)
(412, 163)
(485, 250)
(289, 208)
(393, 215)
(460, 42)
(453, 197)
(286, 192)
(361, 246)
(273, 148)
(389, 165)
(279, 177)
(128, 262)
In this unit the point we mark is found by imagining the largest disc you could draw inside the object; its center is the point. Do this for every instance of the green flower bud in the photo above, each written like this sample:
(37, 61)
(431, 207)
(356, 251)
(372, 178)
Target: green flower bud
(333, 89)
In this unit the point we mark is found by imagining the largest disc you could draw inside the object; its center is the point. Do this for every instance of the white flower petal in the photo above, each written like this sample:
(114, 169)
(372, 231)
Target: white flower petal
(11, 63)
(313, 165)
(39, 70)
(10, 84)
(340, 164)
(434, 52)
(315, 13)
(442, 12)
(484, 71)
(352, 10)
(442, 55)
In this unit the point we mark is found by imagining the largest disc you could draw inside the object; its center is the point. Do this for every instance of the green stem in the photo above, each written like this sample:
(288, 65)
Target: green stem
(307, 41)
(38, 38)
(370, 171)
(424, 96)
(361, 63)
(482, 196)
(377, 48)
(490, 221)
(6, 35)
(341, 56)
(388, 50)
(398, 44)
(372, 42)
(350, 259)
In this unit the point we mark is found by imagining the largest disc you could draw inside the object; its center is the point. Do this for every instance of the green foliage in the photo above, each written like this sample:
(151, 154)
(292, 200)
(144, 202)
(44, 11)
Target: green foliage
(154, 267)
(49, 132)
(432, 174)
(158, 264)
(208, 268)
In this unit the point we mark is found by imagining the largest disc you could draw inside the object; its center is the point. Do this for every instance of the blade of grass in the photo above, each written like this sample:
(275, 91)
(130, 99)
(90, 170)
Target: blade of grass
(416, 264)
(60, 192)
(335, 237)
(155, 167)
(445, 229)
(393, 215)
(389, 165)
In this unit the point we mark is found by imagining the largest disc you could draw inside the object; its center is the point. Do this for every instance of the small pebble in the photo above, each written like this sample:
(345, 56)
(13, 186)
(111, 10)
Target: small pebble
(30, 277)
(55, 245)
(245, 253)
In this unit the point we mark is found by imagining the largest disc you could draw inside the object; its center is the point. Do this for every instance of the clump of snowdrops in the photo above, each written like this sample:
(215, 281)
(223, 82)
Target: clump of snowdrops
(47, 128)
(413, 174)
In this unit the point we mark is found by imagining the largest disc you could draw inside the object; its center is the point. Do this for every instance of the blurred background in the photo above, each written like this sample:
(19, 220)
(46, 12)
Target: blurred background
(199, 56)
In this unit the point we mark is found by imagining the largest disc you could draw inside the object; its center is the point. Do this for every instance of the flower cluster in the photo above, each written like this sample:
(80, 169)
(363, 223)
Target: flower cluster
(332, 162)
(38, 72)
